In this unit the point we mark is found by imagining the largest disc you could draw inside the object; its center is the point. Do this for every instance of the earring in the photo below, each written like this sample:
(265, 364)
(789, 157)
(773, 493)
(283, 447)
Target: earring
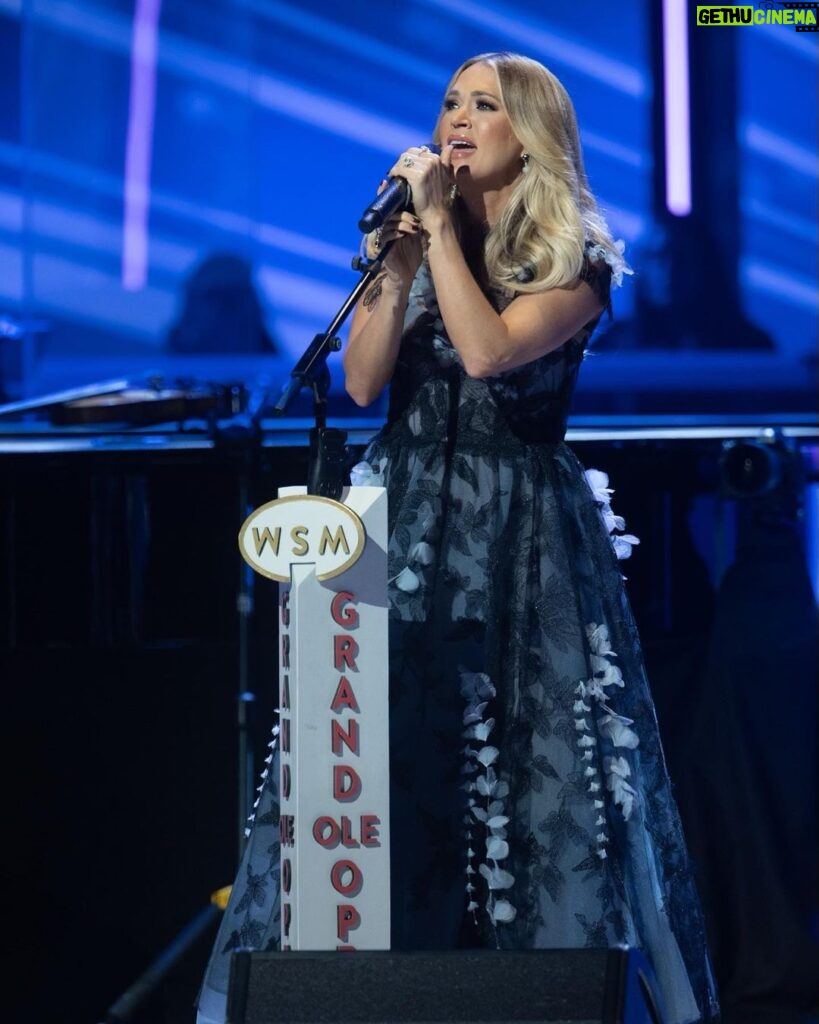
(453, 192)
(525, 158)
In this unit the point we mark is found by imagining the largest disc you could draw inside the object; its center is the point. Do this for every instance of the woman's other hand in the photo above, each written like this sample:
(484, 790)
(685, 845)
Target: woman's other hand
(399, 238)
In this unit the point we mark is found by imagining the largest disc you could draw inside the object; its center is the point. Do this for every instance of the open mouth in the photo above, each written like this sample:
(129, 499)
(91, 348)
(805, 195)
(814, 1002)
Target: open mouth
(461, 146)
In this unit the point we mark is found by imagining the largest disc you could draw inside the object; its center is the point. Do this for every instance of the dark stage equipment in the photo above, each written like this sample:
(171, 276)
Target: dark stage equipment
(753, 467)
(556, 986)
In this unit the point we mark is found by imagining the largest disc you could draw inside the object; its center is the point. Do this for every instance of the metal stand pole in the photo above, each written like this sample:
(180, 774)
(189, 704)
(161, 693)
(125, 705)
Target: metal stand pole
(246, 697)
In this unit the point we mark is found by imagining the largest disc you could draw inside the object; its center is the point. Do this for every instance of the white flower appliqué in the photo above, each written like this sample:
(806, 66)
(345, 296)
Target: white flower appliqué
(615, 260)
(477, 690)
(407, 580)
(364, 475)
(421, 555)
(617, 771)
(271, 746)
(622, 543)
(613, 727)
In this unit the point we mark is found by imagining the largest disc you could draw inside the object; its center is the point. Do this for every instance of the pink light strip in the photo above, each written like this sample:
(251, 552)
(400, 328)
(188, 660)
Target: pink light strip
(139, 144)
(677, 108)
(811, 514)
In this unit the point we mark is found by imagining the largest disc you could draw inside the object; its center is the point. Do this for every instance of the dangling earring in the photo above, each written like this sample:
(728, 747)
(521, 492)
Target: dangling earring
(525, 158)
(453, 192)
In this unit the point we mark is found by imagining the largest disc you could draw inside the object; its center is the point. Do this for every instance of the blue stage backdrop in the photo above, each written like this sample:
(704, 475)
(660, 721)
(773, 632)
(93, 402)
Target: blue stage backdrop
(180, 184)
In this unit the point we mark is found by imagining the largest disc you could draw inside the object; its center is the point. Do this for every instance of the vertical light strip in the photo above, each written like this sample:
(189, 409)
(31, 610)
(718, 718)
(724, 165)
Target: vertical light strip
(139, 144)
(677, 108)
(811, 516)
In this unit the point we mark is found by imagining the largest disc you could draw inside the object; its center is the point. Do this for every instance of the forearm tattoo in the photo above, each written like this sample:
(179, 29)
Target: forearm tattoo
(374, 294)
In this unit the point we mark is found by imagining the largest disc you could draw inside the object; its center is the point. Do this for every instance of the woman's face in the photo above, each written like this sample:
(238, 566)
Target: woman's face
(474, 121)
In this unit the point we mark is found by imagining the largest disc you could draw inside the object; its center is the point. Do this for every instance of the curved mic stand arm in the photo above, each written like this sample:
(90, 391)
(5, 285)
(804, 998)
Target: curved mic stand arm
(327, 444)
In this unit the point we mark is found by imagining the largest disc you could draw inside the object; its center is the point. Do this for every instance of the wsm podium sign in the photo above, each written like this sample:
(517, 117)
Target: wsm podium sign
(329, 558)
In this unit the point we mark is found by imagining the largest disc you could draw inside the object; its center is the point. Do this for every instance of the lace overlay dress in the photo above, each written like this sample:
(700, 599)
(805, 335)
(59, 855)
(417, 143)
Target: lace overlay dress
(530, 803)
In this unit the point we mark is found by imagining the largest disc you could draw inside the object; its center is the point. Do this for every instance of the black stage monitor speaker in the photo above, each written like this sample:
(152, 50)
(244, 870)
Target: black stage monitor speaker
(553, 986)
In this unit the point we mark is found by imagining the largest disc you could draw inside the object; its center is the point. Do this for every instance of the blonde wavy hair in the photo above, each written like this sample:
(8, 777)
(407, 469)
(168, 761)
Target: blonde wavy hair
(540, 239)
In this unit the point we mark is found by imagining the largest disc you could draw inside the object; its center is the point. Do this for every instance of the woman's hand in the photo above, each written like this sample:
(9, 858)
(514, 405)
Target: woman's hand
(402, 233)
(430, 178)
(378, 322)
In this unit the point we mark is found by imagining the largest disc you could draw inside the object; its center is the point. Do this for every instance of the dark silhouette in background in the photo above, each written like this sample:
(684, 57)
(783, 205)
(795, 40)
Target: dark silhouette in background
(221, 311)
(749, 791)
(685, 297)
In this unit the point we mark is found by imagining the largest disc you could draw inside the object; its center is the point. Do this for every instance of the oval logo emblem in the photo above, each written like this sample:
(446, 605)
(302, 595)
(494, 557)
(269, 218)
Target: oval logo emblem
(299, 529)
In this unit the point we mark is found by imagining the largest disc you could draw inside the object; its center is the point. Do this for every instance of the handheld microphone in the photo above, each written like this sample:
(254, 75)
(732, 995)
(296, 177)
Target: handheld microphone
(396, 196)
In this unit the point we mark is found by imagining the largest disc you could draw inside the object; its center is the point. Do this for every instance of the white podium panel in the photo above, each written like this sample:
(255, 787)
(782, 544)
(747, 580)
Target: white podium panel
(333, 702)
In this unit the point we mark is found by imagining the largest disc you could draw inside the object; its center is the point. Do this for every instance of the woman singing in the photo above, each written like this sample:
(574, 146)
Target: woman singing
(530, 803)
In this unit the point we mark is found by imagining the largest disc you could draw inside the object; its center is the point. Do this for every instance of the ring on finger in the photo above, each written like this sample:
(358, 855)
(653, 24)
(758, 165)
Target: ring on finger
(408, 161)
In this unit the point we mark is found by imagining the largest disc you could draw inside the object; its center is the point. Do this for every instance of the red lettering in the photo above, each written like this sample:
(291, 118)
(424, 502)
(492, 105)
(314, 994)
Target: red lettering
(285, 697)
(285, 650)
(287, 917)
(340, 736)
(287, 830)
(347, 832)
(285, 608)
(347, 878)
(341, 610)
(284, 725)
(346, 783)
(348, 919)
(287, 875)
(369, 830)
(329, 833)
(326, 832)
(345, 652)
(286, 781)
(344, 697)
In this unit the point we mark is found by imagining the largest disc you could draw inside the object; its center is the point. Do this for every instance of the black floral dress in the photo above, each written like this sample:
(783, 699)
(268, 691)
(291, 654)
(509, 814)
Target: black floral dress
(530, 803)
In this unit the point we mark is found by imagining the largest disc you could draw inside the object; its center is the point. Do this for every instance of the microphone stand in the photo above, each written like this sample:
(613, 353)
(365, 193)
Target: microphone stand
(325, 474)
